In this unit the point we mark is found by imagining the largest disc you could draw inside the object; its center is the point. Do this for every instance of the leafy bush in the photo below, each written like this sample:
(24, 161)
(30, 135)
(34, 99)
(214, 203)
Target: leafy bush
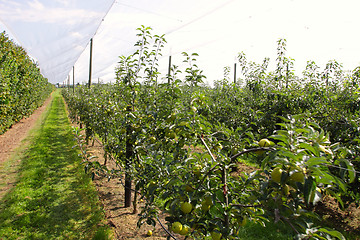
(22, 87)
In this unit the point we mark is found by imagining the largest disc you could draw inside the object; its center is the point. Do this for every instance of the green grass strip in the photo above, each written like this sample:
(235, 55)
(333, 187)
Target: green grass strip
(53, 198)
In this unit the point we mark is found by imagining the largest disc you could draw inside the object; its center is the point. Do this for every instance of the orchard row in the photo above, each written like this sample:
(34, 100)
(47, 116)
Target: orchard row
(178, 143)
(22, 87)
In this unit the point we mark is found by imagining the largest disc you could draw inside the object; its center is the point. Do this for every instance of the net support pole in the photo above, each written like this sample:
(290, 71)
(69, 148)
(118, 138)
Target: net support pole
(90, 63)
(169, 69)
(73, 79)
(234, 73)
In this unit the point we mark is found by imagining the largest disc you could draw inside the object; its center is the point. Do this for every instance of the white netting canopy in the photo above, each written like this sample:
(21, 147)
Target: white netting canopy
(57, 32)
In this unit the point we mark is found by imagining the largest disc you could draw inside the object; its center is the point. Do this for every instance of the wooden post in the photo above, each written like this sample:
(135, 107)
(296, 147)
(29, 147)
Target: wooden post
(73, 79)
(129, 154)
(169, 70)
(234, 73)
(90, 63)
(127, 175)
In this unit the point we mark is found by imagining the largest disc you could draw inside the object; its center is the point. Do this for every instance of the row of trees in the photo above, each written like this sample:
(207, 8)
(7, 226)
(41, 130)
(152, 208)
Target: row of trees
(22, 87)
(178, 143)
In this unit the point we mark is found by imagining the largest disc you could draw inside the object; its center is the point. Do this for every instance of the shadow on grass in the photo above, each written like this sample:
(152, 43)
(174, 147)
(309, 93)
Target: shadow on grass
(53, 198)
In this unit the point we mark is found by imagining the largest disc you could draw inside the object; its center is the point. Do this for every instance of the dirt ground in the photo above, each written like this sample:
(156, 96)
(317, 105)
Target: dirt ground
(343, 220)
(121, 219)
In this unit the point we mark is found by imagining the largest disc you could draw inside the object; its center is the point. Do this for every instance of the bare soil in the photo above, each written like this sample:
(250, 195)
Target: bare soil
(347, 220)
(111, 194)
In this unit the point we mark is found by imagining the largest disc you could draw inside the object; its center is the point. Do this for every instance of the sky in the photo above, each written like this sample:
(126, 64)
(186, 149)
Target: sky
(57, 32)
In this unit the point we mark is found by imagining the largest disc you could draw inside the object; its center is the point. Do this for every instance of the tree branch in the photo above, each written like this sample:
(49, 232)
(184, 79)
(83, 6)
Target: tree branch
(234, 157)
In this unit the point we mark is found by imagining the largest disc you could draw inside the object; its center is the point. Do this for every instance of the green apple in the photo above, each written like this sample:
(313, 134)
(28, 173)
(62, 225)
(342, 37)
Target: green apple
(186, 207)
(276, 174)
(264, 143)
(185, 230)
(176, 227)
(297, 176)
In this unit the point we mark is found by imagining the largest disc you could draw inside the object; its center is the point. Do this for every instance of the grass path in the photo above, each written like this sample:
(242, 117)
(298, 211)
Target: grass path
(53, 198)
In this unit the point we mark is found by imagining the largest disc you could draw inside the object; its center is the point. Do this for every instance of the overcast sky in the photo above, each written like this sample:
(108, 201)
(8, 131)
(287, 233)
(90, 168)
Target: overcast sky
(57, 32)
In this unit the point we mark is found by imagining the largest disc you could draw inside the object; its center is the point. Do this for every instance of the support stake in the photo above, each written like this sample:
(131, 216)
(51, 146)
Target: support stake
(234, 73)
(169, 69)
(90, 64)
(73, 79)
(129, 156)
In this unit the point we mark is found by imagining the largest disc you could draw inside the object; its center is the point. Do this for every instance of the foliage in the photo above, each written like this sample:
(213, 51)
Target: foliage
(180, 141)
(22, 87)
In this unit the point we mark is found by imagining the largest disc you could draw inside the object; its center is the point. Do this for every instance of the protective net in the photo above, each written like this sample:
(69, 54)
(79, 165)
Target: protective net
(57, 33)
